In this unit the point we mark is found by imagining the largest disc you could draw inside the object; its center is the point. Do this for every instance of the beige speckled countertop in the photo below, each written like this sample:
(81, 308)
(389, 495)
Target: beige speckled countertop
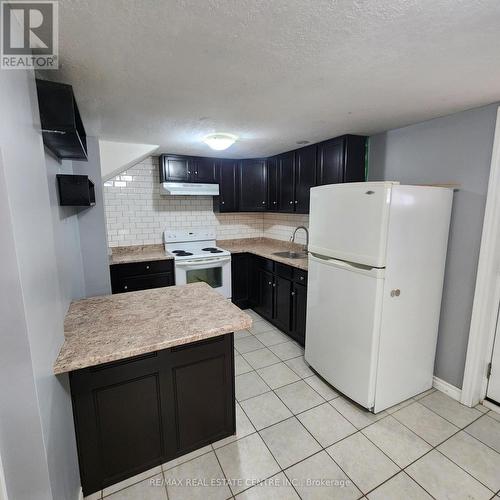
(265, 247)
(112, 327)
(138, 253)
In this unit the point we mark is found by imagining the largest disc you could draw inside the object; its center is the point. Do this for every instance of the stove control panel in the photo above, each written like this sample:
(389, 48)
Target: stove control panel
(186, 235)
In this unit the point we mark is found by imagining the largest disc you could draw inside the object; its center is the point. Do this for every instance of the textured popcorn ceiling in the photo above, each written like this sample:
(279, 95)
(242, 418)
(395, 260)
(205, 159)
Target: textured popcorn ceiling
(274, 71)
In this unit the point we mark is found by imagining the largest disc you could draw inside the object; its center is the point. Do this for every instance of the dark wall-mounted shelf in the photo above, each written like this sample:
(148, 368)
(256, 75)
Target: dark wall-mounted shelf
(75, 190)
(62, 127)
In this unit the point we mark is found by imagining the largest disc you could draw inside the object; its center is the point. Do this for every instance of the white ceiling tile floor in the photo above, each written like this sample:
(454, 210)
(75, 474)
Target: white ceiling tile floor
(298, 438)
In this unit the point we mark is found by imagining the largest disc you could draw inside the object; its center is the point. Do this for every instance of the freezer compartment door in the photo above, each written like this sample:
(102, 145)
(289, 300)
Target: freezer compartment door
(349, 221)
(343, 325)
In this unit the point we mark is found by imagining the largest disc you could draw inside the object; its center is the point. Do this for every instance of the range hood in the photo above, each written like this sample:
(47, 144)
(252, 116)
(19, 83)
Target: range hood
(192, 189)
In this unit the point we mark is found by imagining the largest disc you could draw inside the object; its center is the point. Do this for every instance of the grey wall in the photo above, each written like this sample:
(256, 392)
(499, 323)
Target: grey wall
(92, 224)
(41, 272)
(452, 149)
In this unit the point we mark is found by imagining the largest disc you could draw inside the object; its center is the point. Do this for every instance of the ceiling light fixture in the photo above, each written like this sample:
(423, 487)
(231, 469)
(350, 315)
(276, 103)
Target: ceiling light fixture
(220, 141)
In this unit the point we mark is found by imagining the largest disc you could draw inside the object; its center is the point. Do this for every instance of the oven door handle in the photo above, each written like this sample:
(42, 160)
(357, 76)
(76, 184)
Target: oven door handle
(197, 263)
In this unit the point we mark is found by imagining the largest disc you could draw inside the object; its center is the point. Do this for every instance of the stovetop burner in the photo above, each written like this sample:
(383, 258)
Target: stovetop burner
(181, 253)
(211, 250)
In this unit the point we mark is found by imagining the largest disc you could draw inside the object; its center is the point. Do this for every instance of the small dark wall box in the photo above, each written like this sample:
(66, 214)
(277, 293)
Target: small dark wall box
(75, 190)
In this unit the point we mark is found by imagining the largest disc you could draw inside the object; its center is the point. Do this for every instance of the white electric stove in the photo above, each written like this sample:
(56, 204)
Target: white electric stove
(198, 259)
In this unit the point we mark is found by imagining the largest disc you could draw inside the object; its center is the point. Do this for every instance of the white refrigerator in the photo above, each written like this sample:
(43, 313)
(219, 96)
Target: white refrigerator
(377, 254)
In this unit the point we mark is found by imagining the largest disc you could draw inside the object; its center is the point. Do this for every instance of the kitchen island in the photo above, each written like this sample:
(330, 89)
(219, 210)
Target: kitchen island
(151, 376)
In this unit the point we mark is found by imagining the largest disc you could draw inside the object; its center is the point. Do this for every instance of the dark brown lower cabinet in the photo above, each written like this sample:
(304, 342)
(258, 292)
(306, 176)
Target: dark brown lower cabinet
(131, 277)
(276, 291)
(134, 414)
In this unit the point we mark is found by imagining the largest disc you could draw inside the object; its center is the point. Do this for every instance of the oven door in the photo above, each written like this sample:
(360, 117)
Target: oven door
(216, 272)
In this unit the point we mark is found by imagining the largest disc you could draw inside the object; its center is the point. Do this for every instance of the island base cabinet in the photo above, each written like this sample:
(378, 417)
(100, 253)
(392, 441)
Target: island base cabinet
(134, 414)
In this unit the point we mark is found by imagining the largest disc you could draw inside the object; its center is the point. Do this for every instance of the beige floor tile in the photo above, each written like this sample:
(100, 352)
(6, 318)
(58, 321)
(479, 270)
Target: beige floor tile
(241, 334)
(265, 410)
(396, 441)
(475, 457)
(249, 385)
(241, 365)
(399, 406)
(359, 417)
(300, 367)
(423, 394)
(272, 337)
(131, 480)
(260, 327)
(278, 375)
(201, 478)
(427, 424)
(247, 344)
(289, 442)
(400, 487)
(320, 478)
(362, 461)
(494, 415)
(243, 428)
(299, 396)
(275, 488)
(287, 350)
(450, 409)
(94, 496)
(321, 387)
(261, 358)
(443, 479)
(185, 458)
(487, 430)
(247, 461)
(481, 408)
(149, 489)
(326, 424)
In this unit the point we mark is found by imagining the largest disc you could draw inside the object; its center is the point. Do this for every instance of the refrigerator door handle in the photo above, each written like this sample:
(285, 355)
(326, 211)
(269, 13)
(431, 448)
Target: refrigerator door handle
(376, 272)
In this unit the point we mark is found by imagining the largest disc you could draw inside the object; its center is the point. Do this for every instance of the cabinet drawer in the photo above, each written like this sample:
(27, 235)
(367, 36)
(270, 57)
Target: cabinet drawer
(266, 264)
(300, 276)
(141, 268)
(283, 270)
(135, 283)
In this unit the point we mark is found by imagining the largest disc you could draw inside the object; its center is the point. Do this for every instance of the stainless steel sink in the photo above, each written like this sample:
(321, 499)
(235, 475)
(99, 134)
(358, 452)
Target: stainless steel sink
(291, 255)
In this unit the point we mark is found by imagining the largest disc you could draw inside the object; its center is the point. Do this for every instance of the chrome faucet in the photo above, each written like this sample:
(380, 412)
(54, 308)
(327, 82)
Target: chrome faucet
(292, 238)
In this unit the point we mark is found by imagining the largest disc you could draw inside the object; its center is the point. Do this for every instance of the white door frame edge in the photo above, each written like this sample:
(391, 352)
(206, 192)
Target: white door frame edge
(487, 292)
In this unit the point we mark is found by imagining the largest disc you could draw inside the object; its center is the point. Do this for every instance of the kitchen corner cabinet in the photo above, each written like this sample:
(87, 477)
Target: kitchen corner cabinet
(272, 184)
(135, 276)
(226, 175)
(341, 160)
(134, 414)
(177, 168)
(252, 185)
(276, 291)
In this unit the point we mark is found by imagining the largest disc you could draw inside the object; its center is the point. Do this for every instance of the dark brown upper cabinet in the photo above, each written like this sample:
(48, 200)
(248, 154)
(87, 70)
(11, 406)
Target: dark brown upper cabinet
(62, 127)
(341, 160)
(286, 182)
(227, 201)
(305, 177)
(252, 185)
(272, 184)
(174, 168)
(177, 168)
(202, 170)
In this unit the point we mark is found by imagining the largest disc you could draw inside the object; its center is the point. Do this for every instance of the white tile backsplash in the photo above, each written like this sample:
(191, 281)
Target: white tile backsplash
(136, 213)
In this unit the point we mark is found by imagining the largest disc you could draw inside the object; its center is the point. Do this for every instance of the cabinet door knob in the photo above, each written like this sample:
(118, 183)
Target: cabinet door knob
(263, 202)
(302, 278)
(291, 203)
(125, 287)
(293, 293)
(189, 172)
(396, 292)
(274, 203)
(274, 284)
(296, 202)
(270, 283)
(223, 203)
(147, 267)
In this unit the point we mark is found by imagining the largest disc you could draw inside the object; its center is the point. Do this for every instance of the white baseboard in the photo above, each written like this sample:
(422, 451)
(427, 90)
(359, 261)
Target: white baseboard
(448, 389)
